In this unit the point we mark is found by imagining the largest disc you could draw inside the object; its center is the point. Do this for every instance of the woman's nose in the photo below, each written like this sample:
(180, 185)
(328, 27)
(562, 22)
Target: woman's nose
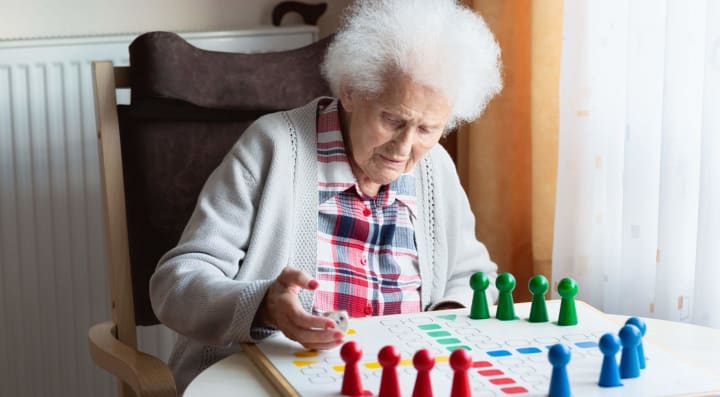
(405, 139)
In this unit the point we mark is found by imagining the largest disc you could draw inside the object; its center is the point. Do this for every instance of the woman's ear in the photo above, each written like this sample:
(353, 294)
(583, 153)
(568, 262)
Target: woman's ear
(346, 97)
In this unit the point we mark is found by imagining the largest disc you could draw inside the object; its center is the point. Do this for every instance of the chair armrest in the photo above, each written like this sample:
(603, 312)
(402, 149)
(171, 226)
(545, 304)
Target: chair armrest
(145, 374)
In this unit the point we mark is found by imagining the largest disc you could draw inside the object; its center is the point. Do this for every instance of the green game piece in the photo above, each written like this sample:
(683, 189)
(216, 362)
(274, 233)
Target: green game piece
(538, 286)
(505, 283)
(567, 288)
(479, 309)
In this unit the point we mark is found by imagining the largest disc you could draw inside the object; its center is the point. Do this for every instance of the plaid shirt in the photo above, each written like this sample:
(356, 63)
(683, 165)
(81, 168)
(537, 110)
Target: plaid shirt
(367, 258)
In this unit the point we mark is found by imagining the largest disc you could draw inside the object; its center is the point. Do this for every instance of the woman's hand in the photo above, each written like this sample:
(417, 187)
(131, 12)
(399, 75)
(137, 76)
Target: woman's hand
(281, 309)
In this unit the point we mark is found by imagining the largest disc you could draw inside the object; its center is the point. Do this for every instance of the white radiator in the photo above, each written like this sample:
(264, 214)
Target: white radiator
(53, 282)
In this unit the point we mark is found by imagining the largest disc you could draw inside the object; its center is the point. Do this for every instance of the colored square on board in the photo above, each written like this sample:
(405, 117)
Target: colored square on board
(429, 327)
(498, 353)
(303, 363)
(481, 364)
(528, 350)
(306, 353)
(491, 372)
(453, 348)
(437, 334)
(502, 381)
(514, 390)
(449, 341)
(586, 345)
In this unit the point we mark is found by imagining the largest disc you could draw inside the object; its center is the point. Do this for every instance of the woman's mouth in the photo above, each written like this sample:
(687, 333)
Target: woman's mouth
(393, 163)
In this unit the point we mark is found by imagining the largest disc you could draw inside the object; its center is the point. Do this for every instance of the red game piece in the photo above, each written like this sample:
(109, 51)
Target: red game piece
(460, 362)
(423, 362)
(351, 384)
(389, 358)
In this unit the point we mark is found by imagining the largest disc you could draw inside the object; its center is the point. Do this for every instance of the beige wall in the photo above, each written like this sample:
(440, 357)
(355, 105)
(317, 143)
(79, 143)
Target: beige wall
(49, 18)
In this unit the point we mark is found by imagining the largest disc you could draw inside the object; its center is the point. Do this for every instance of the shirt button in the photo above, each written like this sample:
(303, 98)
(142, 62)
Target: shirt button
(367, 212)
(368, 309)
(363, 260)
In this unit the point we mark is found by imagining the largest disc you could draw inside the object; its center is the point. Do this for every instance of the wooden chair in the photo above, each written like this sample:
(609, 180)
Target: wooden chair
(188, 106)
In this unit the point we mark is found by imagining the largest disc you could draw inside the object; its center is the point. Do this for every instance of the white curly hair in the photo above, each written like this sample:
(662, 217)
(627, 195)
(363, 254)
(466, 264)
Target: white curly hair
(436, 43)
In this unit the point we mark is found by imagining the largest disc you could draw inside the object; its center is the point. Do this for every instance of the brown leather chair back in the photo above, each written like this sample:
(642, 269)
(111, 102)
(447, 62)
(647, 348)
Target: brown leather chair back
(188, 106)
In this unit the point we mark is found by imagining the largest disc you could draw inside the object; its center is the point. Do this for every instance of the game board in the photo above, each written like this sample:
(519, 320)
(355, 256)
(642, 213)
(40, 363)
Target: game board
(509, 357)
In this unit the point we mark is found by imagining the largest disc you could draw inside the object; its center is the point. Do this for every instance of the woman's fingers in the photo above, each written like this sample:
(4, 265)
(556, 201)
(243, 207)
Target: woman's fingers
(313, 332)
(315, 337)
(291, 277)
(309, 329)
(302, 319)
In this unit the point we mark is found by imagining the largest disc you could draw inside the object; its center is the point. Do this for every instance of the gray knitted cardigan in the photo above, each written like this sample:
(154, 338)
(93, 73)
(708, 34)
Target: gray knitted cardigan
(257, 213)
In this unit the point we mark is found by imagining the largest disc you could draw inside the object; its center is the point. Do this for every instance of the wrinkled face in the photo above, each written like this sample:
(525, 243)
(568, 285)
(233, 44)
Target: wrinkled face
(387, 134)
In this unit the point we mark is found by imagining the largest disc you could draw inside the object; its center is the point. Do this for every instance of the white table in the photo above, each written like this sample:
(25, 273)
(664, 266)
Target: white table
(237, 375)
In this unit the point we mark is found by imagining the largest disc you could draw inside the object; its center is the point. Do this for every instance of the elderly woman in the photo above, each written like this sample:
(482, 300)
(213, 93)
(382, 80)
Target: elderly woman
(346, 203)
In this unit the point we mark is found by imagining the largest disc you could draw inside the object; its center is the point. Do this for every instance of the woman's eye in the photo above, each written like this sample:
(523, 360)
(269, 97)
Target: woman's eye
(427, 131)
(392, 120)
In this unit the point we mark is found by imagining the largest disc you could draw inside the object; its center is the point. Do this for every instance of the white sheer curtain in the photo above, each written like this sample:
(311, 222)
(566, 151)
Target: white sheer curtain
(638, 201)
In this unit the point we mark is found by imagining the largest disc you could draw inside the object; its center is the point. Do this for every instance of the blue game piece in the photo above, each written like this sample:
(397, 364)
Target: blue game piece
(629, 362)
(559, 357)
(610, 372)
(643, 328)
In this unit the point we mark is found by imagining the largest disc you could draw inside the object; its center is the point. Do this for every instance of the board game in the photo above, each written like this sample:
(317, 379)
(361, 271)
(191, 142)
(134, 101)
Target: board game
(510, 358)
